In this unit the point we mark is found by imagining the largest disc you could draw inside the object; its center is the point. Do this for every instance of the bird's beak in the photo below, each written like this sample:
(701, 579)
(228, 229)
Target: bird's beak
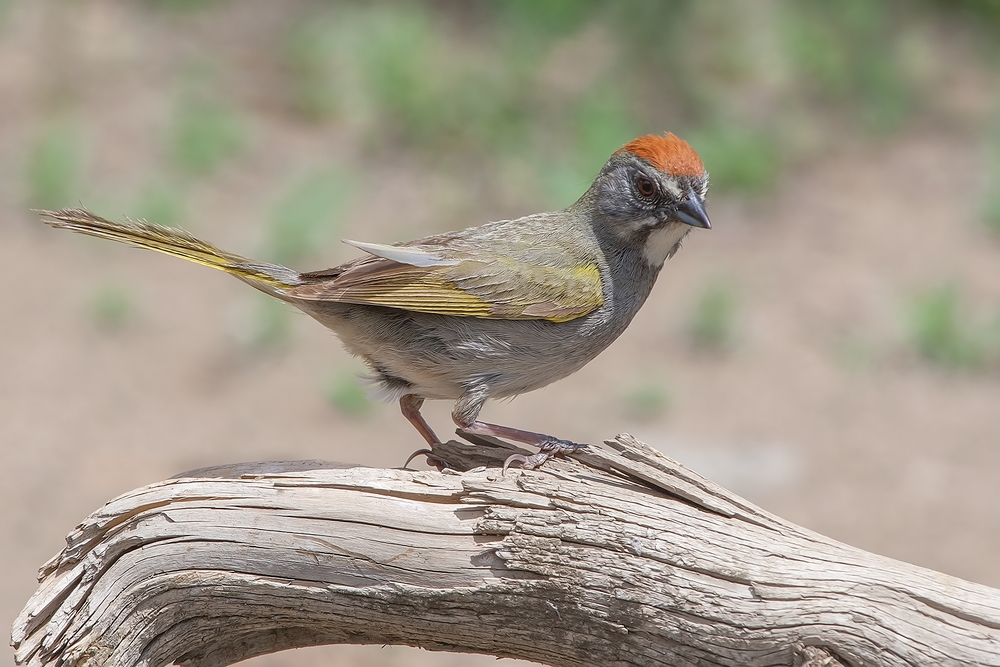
(692, 212)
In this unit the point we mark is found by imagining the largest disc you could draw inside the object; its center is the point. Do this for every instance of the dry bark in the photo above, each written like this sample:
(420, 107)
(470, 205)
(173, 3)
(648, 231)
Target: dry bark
(619, 557)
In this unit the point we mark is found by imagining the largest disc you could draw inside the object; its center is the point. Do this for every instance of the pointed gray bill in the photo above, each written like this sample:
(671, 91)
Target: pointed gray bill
(692, 212)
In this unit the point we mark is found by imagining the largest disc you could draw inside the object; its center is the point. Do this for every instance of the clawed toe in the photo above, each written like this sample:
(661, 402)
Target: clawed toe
(547, 449)
(527, 462)
(557, 447)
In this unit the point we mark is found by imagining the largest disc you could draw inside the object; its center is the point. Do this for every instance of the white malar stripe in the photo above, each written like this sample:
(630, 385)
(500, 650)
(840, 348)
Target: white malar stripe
(662, 241)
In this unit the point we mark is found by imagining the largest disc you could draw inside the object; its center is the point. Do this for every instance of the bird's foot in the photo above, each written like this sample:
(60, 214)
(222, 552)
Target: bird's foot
(432, 459)
(547, 449)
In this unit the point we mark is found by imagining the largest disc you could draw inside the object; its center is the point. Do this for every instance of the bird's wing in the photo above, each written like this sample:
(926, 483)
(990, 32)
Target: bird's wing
(455, 283)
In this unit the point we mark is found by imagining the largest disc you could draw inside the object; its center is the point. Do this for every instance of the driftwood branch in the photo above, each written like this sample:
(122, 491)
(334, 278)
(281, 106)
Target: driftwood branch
(619, 557)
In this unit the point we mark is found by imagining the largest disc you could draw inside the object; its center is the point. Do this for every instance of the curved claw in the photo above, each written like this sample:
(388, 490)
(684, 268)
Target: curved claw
(521, 458)
(432, 459)
(424, 451)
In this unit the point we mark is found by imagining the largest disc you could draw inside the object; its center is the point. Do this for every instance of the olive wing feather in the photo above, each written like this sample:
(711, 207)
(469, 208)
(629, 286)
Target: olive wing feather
(429, 281)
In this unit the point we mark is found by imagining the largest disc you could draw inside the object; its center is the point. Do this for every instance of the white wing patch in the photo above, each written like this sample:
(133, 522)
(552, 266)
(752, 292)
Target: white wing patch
(402, 254)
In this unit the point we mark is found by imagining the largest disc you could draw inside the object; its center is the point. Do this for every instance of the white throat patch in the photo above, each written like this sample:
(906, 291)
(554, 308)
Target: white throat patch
(662, 241)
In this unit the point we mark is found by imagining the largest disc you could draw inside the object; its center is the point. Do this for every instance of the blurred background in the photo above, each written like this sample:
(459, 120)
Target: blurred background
(830, 350)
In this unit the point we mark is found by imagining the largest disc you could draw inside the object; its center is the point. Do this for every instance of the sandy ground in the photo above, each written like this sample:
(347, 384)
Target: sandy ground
(818, 413)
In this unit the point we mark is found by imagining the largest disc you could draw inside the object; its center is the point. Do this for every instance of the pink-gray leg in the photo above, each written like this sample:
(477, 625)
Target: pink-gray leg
(409, 405)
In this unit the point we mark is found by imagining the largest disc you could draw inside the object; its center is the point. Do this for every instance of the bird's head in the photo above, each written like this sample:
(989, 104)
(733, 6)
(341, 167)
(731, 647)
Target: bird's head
(650, 194)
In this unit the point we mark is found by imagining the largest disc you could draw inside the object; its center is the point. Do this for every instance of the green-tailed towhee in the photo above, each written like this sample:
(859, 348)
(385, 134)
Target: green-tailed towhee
(490, 311)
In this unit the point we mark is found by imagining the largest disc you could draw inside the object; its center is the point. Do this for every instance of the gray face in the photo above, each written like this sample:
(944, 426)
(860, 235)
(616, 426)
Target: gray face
(641, 200)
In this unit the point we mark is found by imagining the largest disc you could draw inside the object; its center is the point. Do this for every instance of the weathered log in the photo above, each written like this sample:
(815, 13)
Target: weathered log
(618, 557)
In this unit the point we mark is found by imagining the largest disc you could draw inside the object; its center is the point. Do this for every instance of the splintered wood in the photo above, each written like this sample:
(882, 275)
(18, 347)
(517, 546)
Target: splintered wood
(618, 557)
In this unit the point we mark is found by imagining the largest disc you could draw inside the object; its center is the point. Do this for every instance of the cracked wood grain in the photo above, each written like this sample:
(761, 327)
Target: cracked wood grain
(619, 556)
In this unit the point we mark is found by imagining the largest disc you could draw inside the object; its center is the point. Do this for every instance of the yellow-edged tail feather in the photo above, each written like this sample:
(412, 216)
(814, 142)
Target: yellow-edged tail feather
(171, 241)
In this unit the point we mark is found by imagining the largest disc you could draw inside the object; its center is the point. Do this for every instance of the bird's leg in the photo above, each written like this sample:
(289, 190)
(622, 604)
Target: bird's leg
(467, 409)
(409, 405)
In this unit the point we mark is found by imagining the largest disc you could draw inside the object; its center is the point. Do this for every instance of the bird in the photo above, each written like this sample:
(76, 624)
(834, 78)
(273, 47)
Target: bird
(485, 312)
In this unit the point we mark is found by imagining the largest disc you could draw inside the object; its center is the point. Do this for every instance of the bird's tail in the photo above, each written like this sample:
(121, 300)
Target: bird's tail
(271, 278)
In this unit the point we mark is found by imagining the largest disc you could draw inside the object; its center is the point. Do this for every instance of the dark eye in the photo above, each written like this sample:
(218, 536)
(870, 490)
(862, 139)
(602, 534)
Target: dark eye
(645, 186)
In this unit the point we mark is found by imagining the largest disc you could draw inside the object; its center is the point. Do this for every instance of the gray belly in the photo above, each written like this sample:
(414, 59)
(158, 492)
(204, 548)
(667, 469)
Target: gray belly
(437, 356)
